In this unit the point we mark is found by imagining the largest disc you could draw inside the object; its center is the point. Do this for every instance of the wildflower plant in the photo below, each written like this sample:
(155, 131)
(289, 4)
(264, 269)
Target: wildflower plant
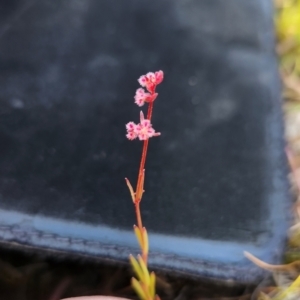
(144, 284)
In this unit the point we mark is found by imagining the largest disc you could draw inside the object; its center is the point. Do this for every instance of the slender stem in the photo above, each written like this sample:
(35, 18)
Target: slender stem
(138, 215)
(141, 169)
(145, 147)
(140, 183)
(150, 110)
(144, 152)
(140, 226)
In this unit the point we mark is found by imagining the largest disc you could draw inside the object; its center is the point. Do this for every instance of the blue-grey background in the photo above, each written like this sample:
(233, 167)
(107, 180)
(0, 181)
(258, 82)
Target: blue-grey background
(68, 74)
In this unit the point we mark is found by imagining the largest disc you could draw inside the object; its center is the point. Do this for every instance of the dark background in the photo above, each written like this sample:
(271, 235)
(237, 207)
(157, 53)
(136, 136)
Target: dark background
(68, 74)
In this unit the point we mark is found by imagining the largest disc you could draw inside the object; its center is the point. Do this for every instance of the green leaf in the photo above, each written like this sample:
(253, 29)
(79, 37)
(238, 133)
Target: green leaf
(146, 276)
(138, 288)
(138, 235)
(145, 241)
(136, 267)
(152, 285)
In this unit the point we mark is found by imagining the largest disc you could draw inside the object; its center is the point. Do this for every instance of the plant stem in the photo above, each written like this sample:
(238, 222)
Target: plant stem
(150, 109)
(140, 182)
(140, 226)
(138, 215)
(144, 153)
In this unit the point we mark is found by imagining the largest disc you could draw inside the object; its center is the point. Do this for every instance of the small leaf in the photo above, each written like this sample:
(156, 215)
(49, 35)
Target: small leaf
(138, 289)
(145, 246)
(130, 189)
(146, 276)
(136, 267)
(138, 235)
(152, 285)
(140, 188)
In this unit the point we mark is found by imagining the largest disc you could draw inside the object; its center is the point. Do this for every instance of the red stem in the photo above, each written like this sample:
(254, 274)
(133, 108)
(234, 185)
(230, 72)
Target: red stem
(144, 154)
(138, 215)
(150, 109)
(139, 184)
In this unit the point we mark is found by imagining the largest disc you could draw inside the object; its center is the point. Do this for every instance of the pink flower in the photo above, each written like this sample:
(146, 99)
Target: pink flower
(143, 80)
(143, 130)
(131, 131)
(159, 76)
(151, 80)
(141, 97)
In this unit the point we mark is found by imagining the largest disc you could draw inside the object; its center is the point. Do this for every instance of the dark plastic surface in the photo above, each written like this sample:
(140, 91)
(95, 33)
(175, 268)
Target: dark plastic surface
(215, 180)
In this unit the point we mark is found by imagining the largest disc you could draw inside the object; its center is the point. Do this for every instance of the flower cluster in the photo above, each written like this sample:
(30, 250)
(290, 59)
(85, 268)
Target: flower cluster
(149, 81)
(141, 97)
(144, 129)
